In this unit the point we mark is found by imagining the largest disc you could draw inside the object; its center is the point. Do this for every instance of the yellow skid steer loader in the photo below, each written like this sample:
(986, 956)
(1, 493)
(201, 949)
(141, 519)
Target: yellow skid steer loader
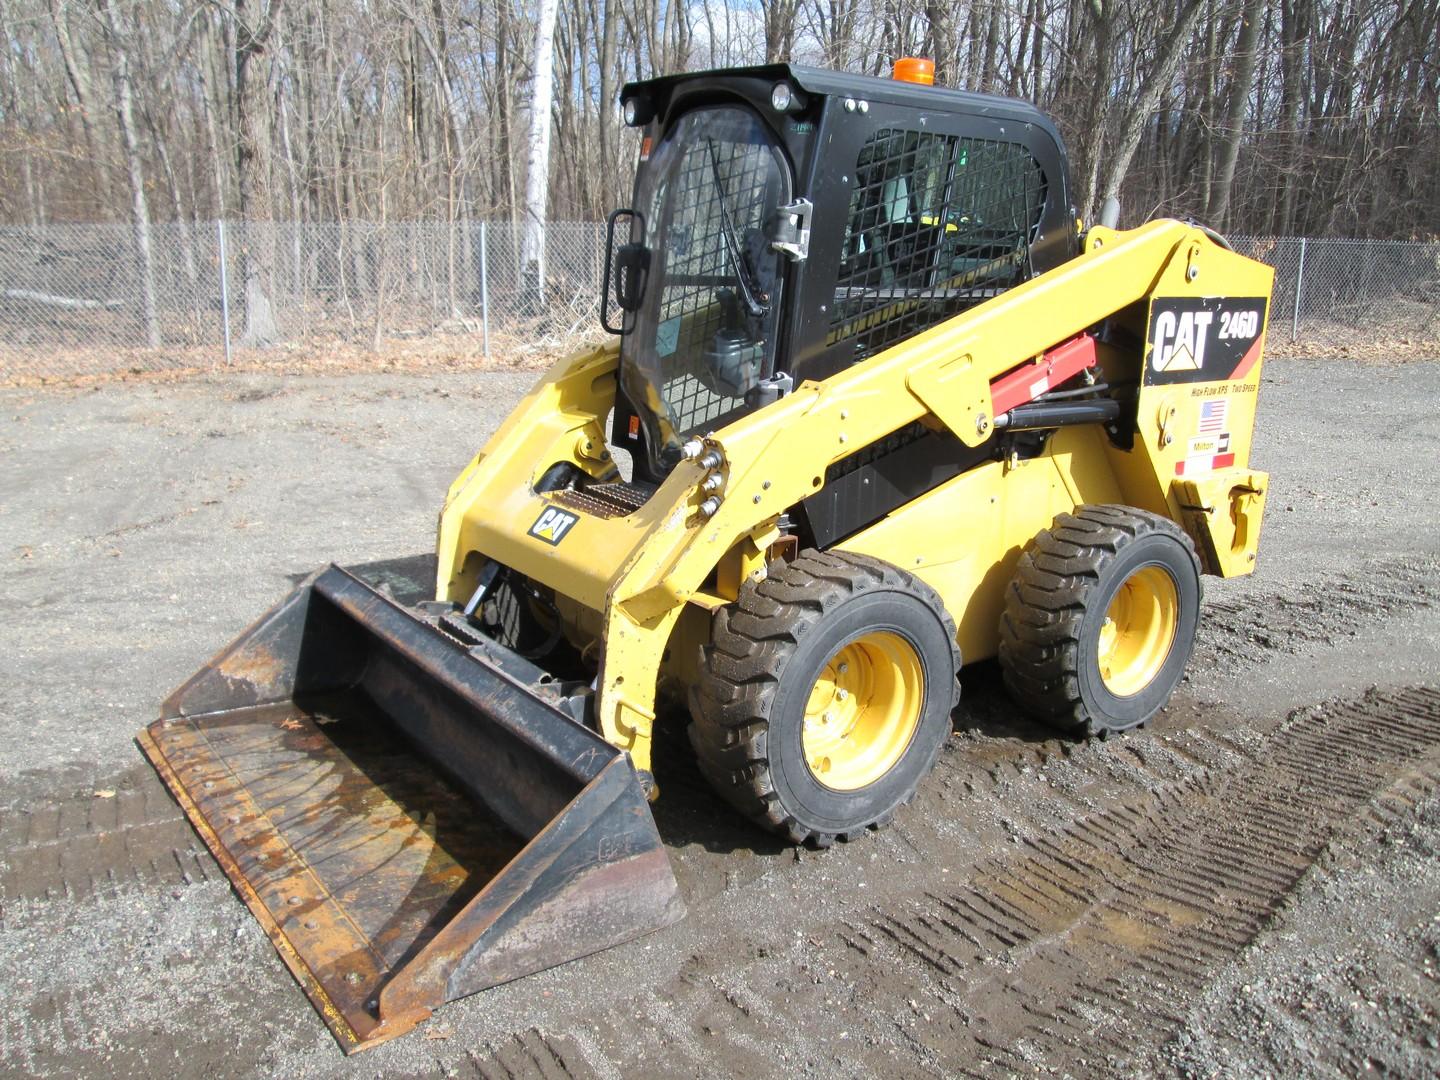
(877, 406)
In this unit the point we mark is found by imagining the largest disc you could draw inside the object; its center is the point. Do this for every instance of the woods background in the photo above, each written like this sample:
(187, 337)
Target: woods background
(1285, 117)
(381, 167)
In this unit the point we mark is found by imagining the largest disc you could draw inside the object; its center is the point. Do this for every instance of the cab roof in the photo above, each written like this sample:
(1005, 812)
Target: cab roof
(823, 82)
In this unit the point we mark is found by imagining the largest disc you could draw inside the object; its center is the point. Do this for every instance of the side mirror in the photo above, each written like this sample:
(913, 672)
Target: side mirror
(631, 267)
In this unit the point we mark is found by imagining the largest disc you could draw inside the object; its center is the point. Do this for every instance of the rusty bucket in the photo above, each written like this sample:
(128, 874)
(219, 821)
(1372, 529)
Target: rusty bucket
(406, 814)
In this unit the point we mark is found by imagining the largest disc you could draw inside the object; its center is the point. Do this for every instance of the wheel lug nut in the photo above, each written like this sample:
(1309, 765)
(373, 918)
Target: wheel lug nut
(842, 693)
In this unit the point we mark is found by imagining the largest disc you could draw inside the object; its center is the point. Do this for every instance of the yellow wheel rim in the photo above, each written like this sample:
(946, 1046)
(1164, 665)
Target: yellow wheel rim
(863, 711)
(1139, 629)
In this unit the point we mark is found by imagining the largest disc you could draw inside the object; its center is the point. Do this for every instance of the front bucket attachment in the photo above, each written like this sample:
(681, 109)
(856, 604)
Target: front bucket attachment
(408, 817)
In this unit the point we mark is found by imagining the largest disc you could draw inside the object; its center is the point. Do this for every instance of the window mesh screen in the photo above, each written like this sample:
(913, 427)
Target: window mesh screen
(938, 224)
(718, 175)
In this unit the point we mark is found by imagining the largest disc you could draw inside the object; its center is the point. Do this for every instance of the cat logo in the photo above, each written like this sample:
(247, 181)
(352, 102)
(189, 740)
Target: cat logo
(1197, 339)
(552, 525)
(1180, 338)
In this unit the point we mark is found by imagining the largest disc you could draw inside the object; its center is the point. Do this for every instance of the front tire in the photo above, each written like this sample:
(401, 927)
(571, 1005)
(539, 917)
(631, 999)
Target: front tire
(1100, 619)
(825, 695)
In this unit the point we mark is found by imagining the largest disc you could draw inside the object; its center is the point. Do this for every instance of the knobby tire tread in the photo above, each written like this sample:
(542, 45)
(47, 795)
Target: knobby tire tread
(1047, 600)
(751, 641)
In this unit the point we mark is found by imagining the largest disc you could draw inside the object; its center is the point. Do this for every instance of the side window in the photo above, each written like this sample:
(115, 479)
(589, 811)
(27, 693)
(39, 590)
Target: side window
(937, 224)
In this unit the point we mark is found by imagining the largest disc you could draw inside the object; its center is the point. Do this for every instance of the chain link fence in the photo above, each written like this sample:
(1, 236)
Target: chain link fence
(1354, 295)
(348, 296)
(298, 296)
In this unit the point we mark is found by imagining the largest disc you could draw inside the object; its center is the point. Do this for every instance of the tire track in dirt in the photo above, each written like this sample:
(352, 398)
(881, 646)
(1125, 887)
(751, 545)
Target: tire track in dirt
(1074, 950)
(1077, 953)
(89, 846)
(1236, 632)
(528, 1055)
(61, 1024)
(98, 845)
(1286, 986)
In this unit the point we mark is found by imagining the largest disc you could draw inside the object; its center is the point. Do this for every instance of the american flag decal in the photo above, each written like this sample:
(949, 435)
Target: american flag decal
(1213, 415)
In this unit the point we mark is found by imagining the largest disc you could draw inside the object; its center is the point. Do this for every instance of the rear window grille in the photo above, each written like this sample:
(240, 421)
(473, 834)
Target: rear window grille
(937, 224)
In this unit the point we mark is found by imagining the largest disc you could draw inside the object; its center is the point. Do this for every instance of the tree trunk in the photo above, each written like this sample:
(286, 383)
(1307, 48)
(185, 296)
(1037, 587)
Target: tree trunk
(1293, 16)
(537, 169)
(940, 39)
(1246, 52)
(292, 175)
(609, 103)
(210, 81)
(1132, 129)
(1094, 143)
(992, 45)
(1037, 45)
(252, 171)
(130, 144)
(779, 29)
(79, 77)
(181, 225)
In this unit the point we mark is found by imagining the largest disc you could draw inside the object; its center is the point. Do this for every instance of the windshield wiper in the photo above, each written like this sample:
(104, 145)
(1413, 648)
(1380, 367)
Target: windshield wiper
(748, 289)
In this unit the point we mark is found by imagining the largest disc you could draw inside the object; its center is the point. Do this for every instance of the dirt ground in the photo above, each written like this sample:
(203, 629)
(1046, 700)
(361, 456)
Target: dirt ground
(1249, 887)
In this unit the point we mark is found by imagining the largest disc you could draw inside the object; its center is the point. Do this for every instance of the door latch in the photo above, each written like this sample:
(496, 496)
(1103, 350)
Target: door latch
(790, 230)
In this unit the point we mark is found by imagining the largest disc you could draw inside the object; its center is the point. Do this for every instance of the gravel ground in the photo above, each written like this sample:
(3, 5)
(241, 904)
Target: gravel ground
(1248, 888)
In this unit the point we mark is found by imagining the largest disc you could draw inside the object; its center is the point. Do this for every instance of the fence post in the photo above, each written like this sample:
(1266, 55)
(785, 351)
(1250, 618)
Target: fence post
(484, 296)
(224, 289)
(1299, 287)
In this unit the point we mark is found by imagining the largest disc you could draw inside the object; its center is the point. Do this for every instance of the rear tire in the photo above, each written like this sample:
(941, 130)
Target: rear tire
(825, 695)
(1100, 619)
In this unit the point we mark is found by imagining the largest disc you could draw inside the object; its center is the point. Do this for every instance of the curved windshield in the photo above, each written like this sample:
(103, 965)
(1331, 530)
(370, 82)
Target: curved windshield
(704, 335)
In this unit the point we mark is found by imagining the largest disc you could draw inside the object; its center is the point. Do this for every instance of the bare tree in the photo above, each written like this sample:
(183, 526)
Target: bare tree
(77, 71)
(1284, 115)
(537, 167)
(1251, 12)
(253, 145)
(780, 29)
(1132, 127)
(121, 42)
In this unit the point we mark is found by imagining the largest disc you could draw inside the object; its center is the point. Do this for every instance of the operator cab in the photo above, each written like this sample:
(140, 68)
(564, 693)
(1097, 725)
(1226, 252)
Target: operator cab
(789, 222)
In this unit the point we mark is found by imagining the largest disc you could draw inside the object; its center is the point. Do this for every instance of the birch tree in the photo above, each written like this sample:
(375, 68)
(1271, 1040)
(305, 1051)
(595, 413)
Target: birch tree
(121, 42)
(537, 162)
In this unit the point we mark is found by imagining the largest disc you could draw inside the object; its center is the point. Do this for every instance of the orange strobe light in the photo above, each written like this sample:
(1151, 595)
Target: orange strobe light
(914, 69)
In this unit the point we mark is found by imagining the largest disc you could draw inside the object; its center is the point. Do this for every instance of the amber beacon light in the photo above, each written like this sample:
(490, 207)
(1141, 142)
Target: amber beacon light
(914, 69)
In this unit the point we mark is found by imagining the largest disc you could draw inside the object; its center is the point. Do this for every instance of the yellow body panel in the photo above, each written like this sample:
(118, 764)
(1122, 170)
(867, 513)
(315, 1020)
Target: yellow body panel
(552, 423)
(964, 537)
(642, 571)
(1222, 511)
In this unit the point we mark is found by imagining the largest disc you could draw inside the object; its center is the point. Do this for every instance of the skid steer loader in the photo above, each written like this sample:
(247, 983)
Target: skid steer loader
(876, 406)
